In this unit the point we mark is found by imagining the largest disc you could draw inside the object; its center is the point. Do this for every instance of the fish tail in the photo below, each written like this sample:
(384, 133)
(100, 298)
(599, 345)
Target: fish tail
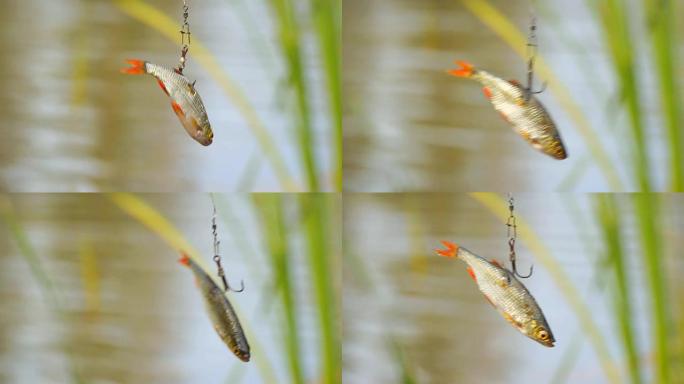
(450, 251)
(185, 259)
(137, 67)
(466, 69)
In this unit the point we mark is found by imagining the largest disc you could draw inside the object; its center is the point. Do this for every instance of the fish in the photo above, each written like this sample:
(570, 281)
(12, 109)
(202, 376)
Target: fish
(505, 292)
(222, 314)
(185, 101)
(519, 108)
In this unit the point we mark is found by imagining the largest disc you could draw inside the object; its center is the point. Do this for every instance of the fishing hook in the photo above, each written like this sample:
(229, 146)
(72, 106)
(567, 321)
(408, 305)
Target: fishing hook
(532, 54)
(512, 233)
(217, 256)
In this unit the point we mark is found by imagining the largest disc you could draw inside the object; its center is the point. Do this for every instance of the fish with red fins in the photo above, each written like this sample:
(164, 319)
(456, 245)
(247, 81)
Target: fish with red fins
(520, 108)
(185, 100)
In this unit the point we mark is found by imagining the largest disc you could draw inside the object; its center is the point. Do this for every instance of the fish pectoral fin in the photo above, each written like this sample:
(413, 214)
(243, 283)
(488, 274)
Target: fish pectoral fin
(487, 92)
(177, 108)
(163, 87)
(471, 273)
(511, 320)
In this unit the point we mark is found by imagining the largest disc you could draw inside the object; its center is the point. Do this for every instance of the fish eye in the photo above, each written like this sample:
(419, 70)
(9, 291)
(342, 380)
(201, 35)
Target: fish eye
(543, 335)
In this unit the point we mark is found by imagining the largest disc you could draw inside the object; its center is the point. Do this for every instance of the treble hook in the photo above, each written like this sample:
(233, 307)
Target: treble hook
(512, 234)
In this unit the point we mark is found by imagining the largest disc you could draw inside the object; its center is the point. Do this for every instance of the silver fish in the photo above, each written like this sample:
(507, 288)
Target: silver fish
(506, 293)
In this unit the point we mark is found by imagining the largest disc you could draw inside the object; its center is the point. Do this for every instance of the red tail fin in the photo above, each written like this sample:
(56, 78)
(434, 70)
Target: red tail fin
(137, 67)
(451, 251)
(466, 69)
(185, 260)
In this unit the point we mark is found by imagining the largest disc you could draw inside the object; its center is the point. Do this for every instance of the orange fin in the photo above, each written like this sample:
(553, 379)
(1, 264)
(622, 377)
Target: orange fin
(471, 273)
(185, 260)
(162, 86)
(487, 92)
(137, 67)
(177, 108)
(451, 250)
(515, 82)
(493, 261)
(466, 69)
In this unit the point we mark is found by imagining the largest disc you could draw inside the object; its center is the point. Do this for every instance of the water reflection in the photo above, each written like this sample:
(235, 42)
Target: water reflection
(399, 291)
(411, 127)
(72, 122)
(126, 311)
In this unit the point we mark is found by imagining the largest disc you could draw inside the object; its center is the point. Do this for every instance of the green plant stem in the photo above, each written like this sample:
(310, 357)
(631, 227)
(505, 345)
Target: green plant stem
(647, 214)
(608, 216)
(615, 22)
(291, 49)
(315, 210)
(659, 21)
(327, 15)
(271, 209)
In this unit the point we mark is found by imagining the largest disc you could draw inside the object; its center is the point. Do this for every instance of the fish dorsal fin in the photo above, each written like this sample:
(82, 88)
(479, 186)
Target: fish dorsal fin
(515, 82)
(495, 262)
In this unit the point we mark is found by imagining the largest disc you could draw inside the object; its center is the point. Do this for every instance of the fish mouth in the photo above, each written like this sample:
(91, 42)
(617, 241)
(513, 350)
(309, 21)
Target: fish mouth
(243, 355)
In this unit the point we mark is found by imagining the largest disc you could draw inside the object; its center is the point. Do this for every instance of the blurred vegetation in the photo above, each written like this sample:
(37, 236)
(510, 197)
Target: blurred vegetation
(293, 28)
(619, 22)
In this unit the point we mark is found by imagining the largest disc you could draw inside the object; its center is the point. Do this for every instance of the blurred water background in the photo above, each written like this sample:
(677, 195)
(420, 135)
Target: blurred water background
(613, 78)
(89, 295)
(607, 279)
(72, 122)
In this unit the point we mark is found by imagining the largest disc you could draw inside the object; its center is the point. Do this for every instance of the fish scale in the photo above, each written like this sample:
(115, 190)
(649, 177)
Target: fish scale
(179, 82)
(506, 293)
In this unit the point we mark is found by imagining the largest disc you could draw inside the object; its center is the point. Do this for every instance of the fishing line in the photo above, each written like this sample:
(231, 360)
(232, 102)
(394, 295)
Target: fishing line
(217, 255)
(185, 32)
(532, 46)
(512, 233)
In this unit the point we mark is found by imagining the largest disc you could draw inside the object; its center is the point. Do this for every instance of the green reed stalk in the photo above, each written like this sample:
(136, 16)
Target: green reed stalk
(26, 250)
(327, 16)
(660, 20)
(647, 212)
(270, 207)
(319, 212)
(291, 48)
(608, 217)
(615, 22)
